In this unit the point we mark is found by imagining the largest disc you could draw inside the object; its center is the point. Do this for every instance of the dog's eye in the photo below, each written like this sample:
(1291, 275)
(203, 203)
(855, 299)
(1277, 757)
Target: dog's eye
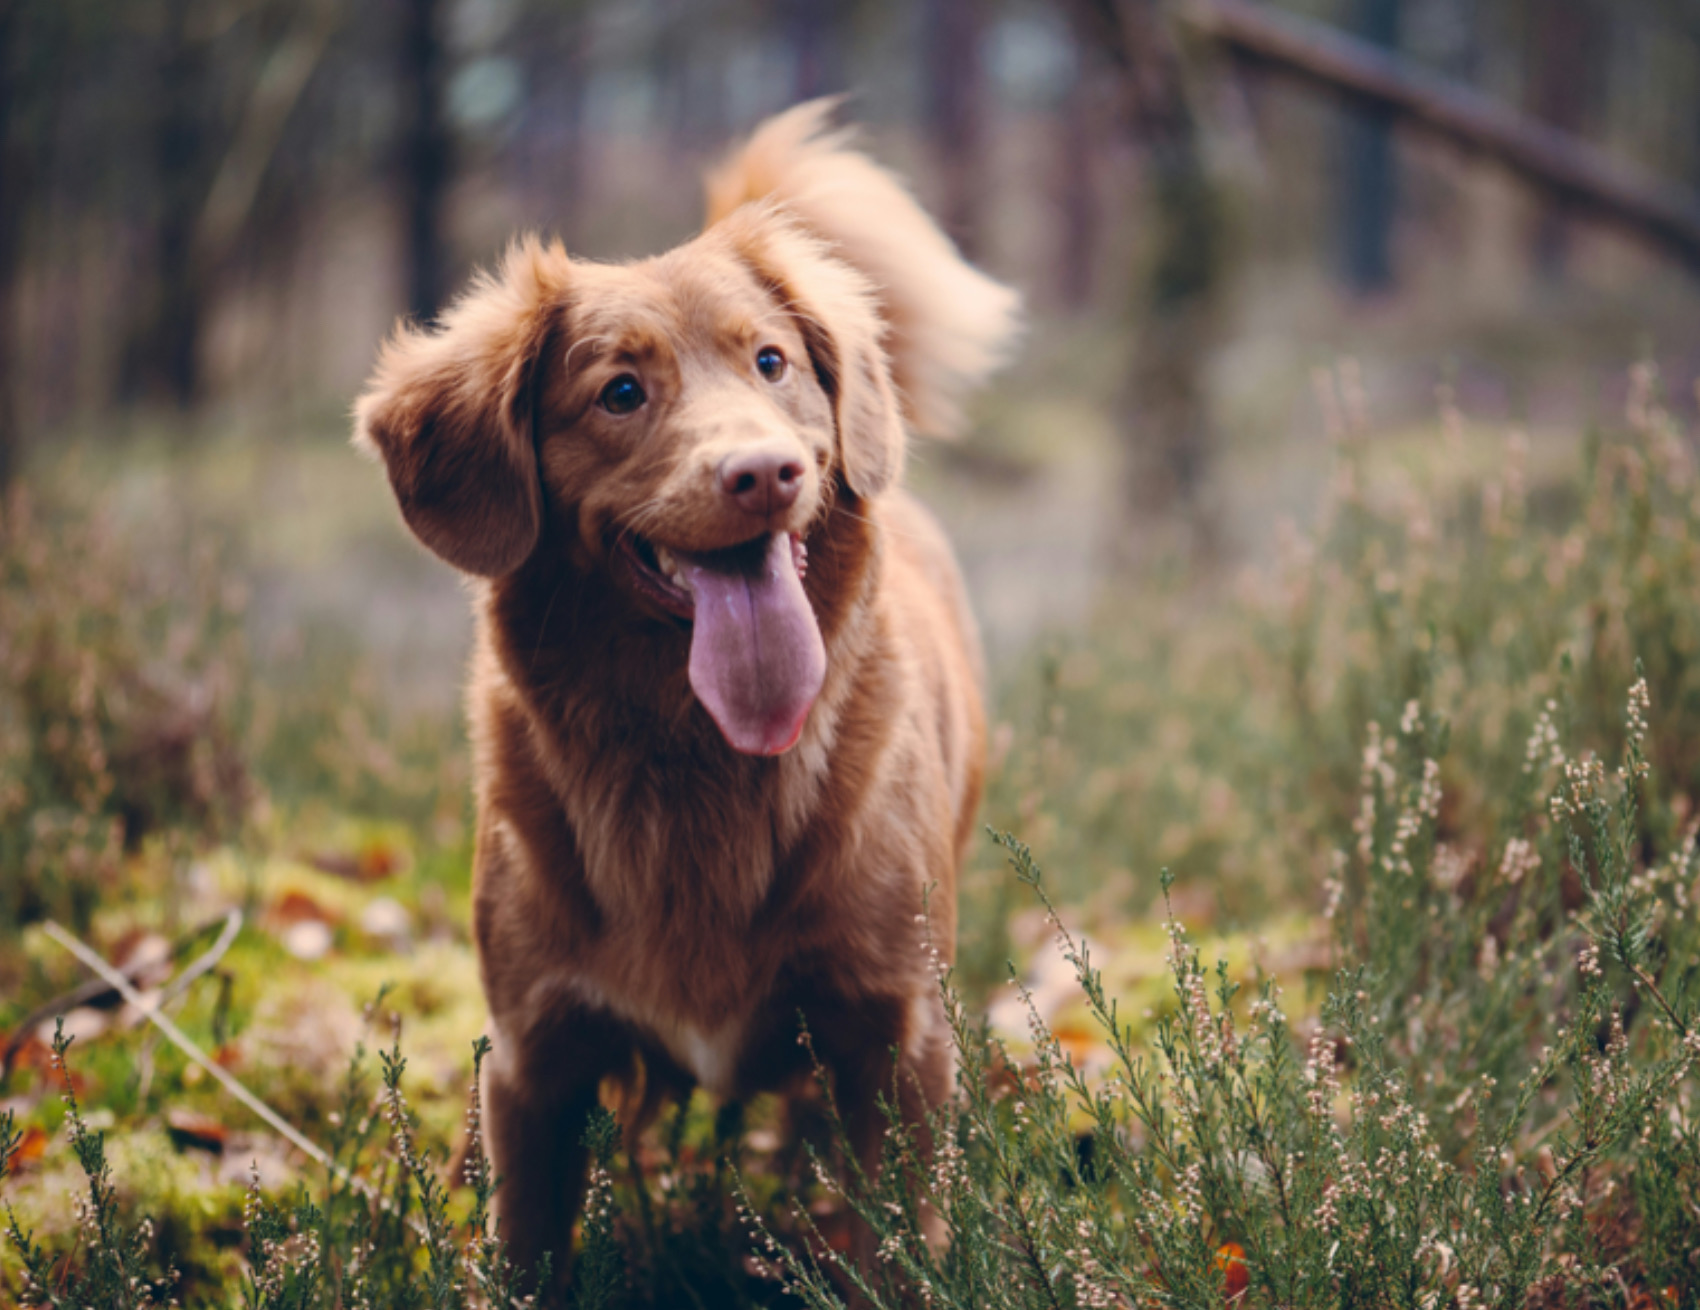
(621, 396)
(771, 361)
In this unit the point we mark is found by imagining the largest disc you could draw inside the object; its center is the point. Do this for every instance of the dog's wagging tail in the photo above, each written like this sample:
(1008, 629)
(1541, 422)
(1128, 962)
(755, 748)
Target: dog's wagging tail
(725, 695)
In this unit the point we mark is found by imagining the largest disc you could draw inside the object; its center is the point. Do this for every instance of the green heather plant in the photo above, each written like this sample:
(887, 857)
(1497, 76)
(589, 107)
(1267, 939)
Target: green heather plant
(381, 1234)
(111, 1265)
(1232, 1158)
(1494, 1103)
(1222, 735)
(385, 1233)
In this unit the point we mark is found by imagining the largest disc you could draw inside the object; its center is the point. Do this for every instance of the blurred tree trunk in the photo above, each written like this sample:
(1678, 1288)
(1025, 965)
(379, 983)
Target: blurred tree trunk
(15, 190)
(162, 354)
(207, 169)
(955, 112)
(816, 32)
(1175, 309)
(545, 160)
(425, 162)
(1368, 175)
(182, 152)
(1077, 162)
(1566, 46)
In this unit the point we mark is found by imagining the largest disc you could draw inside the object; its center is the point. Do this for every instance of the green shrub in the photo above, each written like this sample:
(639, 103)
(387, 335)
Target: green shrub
(121, 682)
(379, 1232)
(1219, 731)
(113, 1269)
(1233, 1159)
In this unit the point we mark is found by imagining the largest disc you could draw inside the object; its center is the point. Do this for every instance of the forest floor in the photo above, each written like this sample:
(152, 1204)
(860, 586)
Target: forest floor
(1137, 727)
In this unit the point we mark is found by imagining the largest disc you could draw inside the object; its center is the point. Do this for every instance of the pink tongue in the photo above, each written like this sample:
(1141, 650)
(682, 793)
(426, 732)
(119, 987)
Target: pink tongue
(757, 660)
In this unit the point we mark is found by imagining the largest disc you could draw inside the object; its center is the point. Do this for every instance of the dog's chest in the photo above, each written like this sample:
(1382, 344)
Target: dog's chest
(678, 957)
(704, 979)
(674, 849)
(683, 863)
(712, 1057)
(710, 1046)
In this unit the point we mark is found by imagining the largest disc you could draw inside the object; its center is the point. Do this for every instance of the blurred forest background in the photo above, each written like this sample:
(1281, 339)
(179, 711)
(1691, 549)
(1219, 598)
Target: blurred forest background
(213, 210)
(1329, 301)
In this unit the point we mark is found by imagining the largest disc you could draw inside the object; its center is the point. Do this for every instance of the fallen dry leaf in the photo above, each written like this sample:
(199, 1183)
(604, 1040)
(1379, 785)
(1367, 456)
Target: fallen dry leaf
(198, 1132)
(372, 862)
(295, 906)
(33, 1053)
(83, 1024)
(307, 939)
(144, 957)
(1230, 1260)
(29, 1150)
(301, 924)
(388, 921)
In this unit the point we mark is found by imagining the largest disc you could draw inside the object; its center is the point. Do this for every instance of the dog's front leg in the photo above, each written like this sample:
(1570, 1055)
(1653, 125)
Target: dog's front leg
(538, 1096)
(921, 1082)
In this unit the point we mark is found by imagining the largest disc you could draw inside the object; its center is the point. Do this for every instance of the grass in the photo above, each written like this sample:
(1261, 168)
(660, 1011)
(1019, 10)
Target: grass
(1363, 972)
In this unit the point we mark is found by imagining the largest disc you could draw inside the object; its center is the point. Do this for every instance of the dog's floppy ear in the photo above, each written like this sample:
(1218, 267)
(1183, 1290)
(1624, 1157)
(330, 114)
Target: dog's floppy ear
(947, 325)
(450, 411)
(834, 308)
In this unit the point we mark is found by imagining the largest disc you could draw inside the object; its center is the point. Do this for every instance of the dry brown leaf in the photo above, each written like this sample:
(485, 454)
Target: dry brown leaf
(197, 1132)
(294, 906)
(29, 1151)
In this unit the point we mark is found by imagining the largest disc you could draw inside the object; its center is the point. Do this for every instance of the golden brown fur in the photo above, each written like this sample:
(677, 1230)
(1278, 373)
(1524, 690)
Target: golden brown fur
(645, 895)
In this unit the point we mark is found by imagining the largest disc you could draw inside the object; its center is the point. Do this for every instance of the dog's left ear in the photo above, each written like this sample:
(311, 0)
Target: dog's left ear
(835, 310)
(450, 411)
(947, 325)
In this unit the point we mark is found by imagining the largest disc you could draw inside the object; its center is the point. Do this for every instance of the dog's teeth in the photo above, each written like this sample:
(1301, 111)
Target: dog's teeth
(666, 563)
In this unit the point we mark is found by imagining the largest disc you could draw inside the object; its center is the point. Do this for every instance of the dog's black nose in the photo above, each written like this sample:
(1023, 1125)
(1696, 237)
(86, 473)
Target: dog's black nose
(762, 481)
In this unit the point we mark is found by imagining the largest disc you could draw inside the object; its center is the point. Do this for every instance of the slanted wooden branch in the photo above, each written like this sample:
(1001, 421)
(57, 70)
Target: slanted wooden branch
(1555, 161)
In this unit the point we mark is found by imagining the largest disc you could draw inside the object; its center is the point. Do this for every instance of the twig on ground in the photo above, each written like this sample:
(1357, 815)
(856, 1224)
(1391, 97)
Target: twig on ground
(150, 1010)
(99, 988)
(201, 965)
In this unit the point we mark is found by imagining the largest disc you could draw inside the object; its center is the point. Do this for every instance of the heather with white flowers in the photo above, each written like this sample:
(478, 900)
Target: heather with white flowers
(1232, 1159)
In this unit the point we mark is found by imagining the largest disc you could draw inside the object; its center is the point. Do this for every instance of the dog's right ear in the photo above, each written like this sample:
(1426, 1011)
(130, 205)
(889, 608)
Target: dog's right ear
(450, 411)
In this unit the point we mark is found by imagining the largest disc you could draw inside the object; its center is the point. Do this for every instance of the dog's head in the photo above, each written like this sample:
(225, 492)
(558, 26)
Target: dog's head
(686, 421)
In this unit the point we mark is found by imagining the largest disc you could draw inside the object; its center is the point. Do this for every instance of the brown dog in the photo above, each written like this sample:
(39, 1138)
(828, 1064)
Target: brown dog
(725, 699)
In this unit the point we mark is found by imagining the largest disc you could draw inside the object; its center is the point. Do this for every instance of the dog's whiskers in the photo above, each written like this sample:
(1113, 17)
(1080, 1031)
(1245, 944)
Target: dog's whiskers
(638, 521)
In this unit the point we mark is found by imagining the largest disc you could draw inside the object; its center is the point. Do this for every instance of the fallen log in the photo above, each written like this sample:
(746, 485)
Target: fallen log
(1555, 161)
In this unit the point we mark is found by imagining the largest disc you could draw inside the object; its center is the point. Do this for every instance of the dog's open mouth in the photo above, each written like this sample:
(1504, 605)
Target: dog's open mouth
(657, 571)
(757, 659)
